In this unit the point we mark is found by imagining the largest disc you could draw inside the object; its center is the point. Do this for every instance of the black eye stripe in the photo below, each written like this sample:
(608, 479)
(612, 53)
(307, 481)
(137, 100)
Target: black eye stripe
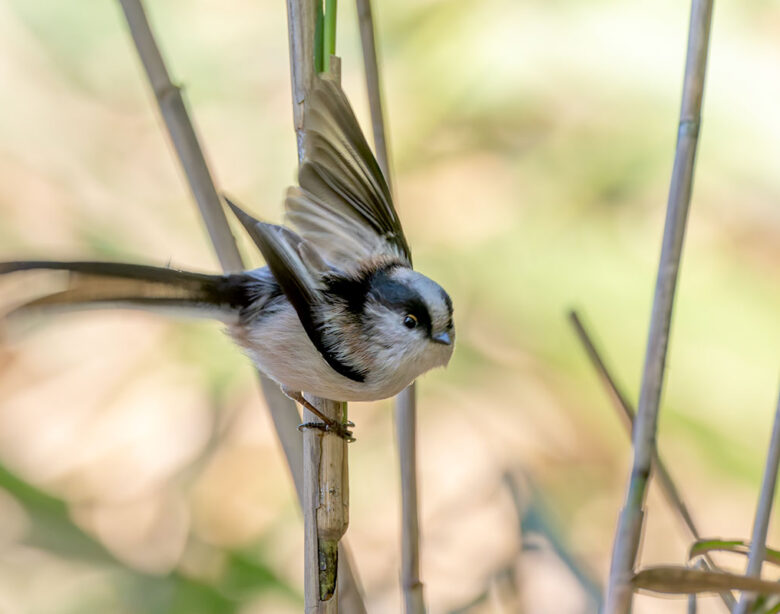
(401, 298)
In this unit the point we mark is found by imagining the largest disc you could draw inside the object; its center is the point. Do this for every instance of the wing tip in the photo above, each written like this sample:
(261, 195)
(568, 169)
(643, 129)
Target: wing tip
(243, 217)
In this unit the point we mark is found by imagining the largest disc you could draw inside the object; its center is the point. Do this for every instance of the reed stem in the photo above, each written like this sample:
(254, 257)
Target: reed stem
(326, 480)
(180, 128)
(193, 162)
(630, 523)
(406, 402)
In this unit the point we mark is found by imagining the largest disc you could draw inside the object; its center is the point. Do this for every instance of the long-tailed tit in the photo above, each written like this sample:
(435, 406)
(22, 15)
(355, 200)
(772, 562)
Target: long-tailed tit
(338, 311)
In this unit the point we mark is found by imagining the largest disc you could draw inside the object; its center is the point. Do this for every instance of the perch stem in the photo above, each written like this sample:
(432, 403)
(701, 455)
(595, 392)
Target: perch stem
(201, 183)
(325, 481)
(283, 412)
(326, 508)
(630, 523)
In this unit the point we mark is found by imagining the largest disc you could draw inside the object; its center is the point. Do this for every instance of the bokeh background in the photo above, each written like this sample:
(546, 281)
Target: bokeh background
(532, 145)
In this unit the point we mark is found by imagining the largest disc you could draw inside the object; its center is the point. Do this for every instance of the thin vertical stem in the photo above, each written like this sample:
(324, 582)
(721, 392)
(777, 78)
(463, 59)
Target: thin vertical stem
(190, 155)
(319, 21)
(326, 479)
(326, 508)
(371, 66)
(405, 425)
(283, 411)
(301, 18)
(763, 512)
(329, 32)
(406, 402)
(631, 519)
(311, 475)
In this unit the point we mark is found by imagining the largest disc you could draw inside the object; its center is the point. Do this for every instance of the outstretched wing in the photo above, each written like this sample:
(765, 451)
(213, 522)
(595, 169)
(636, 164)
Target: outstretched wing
(343, 206)
(299, 270)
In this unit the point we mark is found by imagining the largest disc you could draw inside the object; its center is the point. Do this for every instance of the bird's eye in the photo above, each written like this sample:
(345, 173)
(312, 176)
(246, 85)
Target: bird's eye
(410, 321)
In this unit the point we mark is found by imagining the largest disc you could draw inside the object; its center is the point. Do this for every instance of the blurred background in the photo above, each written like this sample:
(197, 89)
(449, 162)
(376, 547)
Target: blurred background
(532, 145)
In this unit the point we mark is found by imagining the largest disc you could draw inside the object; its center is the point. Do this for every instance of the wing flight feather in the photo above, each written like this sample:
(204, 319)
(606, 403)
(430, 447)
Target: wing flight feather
(343, 192)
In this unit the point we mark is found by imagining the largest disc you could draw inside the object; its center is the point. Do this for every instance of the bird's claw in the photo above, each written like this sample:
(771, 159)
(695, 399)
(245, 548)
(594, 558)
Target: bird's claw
(337, 428)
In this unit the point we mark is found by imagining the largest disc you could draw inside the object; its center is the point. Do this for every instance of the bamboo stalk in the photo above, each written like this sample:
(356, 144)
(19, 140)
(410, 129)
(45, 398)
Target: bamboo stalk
(626, 411)
(763, 512)
(326, 480)
(630, 523)
(283, 412)
(406, 402)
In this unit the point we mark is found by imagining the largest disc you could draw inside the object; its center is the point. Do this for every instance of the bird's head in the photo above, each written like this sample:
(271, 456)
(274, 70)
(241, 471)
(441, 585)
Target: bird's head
(409, 316)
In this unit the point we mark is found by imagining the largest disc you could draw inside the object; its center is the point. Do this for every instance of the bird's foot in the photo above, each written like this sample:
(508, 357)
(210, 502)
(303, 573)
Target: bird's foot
(337, 428)
(328, 425)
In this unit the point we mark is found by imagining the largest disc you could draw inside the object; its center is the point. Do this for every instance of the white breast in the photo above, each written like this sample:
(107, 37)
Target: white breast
(280, 348)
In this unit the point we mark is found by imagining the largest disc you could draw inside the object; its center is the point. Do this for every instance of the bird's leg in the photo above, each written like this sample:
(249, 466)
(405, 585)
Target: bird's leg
(334, 426)
(297, 396)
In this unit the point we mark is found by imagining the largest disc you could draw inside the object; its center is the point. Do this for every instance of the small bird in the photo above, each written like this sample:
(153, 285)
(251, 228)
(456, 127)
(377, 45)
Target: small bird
(338, 312)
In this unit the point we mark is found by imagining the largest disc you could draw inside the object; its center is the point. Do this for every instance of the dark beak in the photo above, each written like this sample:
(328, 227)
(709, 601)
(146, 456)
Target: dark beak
(443, 338)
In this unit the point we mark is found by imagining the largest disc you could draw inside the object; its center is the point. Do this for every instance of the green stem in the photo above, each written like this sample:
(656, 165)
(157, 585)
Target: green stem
(329, 33)
(319, 60)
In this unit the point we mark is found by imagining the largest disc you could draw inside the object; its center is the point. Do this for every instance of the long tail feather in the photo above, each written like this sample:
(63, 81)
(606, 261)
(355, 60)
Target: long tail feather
(106, 284)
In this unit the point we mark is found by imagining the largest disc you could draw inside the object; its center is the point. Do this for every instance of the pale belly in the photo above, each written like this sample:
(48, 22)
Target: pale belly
(280, 348)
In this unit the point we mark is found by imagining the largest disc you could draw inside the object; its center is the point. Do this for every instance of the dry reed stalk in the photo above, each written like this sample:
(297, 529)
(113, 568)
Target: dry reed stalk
(326, 480)
(406, 402)
(405, 425)
(626, 411)
(184, 139)
(373, 85)
(190, 155)
(283, 412)
(629, 530)
(326, 508)
(301, 18)
(763, 512)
